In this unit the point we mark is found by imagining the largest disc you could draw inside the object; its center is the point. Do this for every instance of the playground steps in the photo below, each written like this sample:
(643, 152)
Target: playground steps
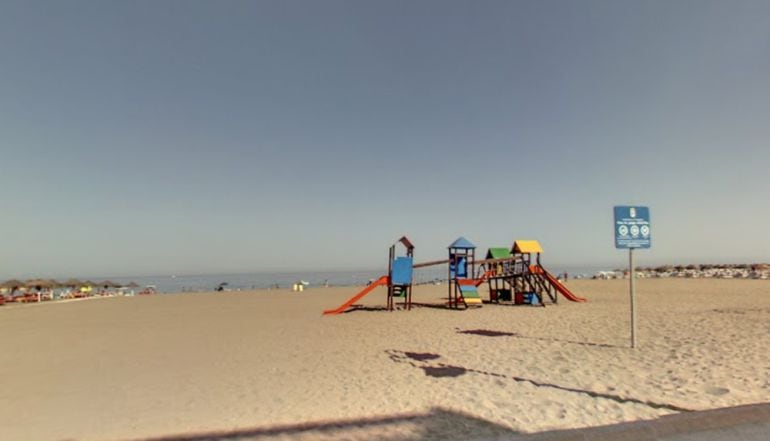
(399, 291)
(470, 294)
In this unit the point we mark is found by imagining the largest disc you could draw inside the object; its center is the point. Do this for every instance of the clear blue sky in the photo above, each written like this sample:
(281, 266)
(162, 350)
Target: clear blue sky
(161, 137)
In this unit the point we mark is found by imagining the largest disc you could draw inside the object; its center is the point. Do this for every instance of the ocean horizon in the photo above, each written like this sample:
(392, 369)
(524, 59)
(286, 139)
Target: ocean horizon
(169, 284)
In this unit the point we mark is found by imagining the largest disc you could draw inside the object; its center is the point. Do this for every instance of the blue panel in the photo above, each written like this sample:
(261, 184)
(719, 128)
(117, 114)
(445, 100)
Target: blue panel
(632, 227)
(460, 269)
(462, 243)
(401, 271)
(468, 288)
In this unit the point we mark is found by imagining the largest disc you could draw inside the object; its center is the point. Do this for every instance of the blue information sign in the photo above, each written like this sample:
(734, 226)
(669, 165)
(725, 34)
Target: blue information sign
(632, 227)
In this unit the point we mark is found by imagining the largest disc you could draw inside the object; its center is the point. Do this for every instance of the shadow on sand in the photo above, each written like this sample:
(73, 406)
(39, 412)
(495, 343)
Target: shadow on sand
(356, 308)
(740, 422)
(437, 424)
(437, 369)
(491, 333)
(399, 307)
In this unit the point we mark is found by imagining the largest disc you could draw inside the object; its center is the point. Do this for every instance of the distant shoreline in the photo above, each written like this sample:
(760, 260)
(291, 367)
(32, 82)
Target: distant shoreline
(759, 271)
(265, 280)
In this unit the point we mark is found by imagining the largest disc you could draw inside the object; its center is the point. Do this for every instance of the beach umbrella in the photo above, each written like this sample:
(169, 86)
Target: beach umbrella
(108, 284)
(72, 283)
(13, 283)
(39, 283)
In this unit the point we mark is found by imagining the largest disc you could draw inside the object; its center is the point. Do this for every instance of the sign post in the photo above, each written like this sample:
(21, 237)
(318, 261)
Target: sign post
(632, 230)
(632, 290)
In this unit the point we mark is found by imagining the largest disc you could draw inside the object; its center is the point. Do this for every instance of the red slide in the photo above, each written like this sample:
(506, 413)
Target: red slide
(484, 277)
(476, 282)
(562, 289)
(381, 281)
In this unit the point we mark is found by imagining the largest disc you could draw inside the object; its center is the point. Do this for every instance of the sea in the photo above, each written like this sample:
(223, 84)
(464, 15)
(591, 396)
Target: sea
(169, 284)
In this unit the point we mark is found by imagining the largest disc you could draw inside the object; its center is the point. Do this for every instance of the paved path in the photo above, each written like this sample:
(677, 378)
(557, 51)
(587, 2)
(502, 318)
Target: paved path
(742, 423)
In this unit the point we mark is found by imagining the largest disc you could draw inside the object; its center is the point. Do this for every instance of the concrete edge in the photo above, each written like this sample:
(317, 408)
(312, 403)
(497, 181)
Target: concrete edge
(659, 428)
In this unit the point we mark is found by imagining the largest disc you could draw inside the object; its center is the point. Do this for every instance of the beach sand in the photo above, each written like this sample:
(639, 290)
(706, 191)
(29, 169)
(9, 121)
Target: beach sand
(267, 365)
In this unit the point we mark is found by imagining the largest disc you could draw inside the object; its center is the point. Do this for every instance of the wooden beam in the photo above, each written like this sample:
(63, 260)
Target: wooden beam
(431, 263)
(477, 262)
(500, 260)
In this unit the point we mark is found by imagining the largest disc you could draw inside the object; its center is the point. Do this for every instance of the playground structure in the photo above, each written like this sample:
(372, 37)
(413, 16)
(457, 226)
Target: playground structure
(513, 275)
(499, 265)
(519, 276)
(398, 280)
(463, 287)
(400, 274)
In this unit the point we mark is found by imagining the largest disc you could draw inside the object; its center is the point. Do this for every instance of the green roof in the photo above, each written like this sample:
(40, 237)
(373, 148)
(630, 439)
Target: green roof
(498, 253)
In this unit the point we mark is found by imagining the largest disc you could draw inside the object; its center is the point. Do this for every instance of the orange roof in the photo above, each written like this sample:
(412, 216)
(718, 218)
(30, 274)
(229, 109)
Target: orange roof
(527, 246)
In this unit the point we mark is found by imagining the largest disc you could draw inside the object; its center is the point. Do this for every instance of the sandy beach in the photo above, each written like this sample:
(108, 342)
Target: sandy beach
(268, 364)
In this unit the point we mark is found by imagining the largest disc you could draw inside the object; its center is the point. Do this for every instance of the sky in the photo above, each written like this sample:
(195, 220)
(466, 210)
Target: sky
(188, 137)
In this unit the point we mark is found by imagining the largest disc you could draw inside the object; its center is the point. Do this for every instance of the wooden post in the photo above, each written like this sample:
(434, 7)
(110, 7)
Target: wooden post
(449, 278)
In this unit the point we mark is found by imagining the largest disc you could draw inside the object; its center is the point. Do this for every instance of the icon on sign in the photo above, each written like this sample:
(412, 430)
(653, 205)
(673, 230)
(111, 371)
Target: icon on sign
(634, 230)
(632, 212)
(645, 230)
(623, 230)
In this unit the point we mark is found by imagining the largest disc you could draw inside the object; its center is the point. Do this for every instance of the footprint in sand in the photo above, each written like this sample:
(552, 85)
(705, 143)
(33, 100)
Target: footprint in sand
(717, 390)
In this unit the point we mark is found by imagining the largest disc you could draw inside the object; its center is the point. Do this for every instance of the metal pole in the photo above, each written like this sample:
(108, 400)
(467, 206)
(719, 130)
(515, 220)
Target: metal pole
(632, 278)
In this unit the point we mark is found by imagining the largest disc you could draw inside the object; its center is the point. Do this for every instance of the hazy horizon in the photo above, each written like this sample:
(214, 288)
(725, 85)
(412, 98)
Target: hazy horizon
(587, 269)
(191, 137)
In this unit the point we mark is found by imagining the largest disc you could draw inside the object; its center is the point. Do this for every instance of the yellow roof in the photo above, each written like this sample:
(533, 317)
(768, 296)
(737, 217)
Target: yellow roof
(527, 246)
